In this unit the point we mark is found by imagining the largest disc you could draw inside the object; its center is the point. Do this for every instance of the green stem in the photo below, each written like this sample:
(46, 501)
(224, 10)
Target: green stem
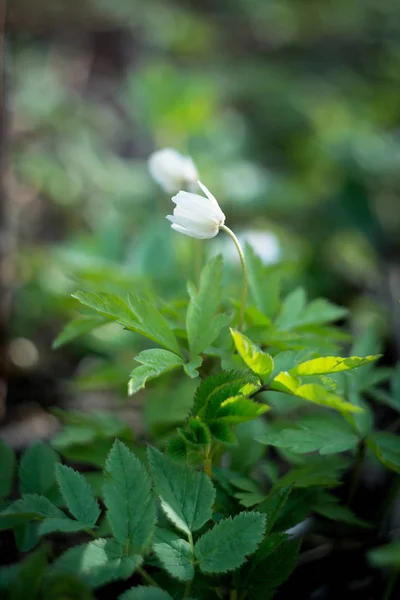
(243, 263)
(208, 465)
(148, 578)
(390, 585)
(357, 471)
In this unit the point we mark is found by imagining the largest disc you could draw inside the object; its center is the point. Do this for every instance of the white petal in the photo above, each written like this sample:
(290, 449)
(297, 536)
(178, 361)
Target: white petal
(194, 234)
(208, 193)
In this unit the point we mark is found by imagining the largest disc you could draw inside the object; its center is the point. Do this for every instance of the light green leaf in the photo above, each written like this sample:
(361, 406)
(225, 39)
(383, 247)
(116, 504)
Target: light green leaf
(202, 307)
(65, 525)
(76, 328)
(239, 409)
(191, 367)
(328, 434)
(152, 323)
(331, 364)
(386, 556)
(143, 592)
(186, 496)
(37, 469)
(313, 392)
(321, 311)
(174, 553)
(131, 510)
(136, 315)
(260, 363)
(154, 362)
(78, 495)
(32, 506)
(7, 462)
(98, 562)
(225, 546)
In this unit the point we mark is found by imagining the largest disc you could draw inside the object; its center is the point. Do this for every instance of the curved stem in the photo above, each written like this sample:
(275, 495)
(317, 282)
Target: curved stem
(148, 578)
(243, 263)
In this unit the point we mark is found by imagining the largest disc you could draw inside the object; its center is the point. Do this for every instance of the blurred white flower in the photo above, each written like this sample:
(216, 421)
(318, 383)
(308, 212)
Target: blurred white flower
(264, 243)
(172, 170)
(195, 215)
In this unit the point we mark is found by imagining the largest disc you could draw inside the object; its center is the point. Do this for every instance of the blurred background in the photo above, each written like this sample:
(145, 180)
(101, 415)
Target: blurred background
(291, 111)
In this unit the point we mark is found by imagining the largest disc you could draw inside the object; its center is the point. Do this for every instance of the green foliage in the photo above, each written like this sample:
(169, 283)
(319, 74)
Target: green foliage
(260, 363)
(145, 593)
(186, 496)
(386, 447)
(154, 363)
(78, 495)
(202, 324)
(225, 546)
(37, 470)
(7, 461)
(327, 434)
(127, 494)
(386, 556)
(174, 553)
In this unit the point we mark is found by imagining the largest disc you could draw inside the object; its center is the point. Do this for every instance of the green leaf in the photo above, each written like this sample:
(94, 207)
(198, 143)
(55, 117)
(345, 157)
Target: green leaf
(317, 471)
(37, 469)
(76, 328)
(145, 593)
(264, 282)
(263, 580)
(155, 362)
(191, 367)
(240, 409)
(65, 525)
(386, 556)
(30, 580)
(386, 446)
(202, 328)
(260, 363)
(331, 364)
(7, 462)
(196, 432)
(336, 512)
(223, 433)
(186, 496)
(78, 495)
(131, 510)
(32, 506)
(225, 546)
(291, 309)
(215, 389)
(328, 434)
(321, 311)
(174, 553)
(274, 504)
(98, 562)
(313, 392)
(136, 315)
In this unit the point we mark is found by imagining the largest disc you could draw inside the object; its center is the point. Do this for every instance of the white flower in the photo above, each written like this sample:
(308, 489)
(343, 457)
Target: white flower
(171, 170)
(195, 215)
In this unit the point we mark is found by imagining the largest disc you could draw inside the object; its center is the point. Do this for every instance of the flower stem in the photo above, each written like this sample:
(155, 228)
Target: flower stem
(243, 263)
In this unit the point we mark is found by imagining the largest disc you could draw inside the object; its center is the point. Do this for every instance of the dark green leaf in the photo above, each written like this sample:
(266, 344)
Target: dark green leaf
(78, 495)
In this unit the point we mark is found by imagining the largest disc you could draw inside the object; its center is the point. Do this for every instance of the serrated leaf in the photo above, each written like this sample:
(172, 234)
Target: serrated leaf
(239, 410)
(56, 524)
(386, 446)
(37, 469)
(143, 592)
(226, 546)
(196, 432)
(154, 362)
(136, 315)
(223, 433)
(78, 495)
(32, 506)
(76, 328)
(327, 434)
(331, 364)
(202, 307)
(317, 471)
(313, 392)
(186, 496)
(174, 553)
(258, 361)
(270, 573)
(131, 510)
(215, 389)
(98, 562)
(7, 462)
